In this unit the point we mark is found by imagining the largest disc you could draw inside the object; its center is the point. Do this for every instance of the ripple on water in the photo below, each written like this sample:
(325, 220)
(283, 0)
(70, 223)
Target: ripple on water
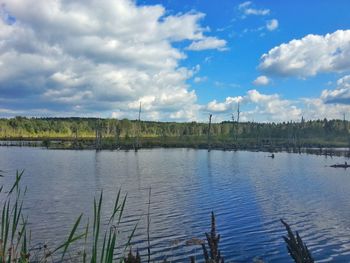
(248, 192)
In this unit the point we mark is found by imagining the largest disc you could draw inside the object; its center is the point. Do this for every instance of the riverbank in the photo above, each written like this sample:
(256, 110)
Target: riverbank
(308, 147)
(322, 137)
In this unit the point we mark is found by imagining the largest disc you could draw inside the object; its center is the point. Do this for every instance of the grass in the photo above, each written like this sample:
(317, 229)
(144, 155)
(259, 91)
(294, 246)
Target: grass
(100, 238)
(15, 240)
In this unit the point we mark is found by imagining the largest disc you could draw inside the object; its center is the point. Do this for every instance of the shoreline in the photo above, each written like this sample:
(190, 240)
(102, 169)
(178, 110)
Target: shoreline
(57, 144)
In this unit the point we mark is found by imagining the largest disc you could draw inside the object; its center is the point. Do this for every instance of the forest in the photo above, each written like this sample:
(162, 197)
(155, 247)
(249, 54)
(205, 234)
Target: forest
(116, 133)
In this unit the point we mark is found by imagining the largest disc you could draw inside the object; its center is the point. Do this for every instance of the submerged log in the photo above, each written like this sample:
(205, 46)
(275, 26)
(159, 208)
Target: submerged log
(344, 165)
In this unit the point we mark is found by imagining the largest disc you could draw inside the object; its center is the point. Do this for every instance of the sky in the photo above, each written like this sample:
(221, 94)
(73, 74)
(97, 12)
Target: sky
(182, 59)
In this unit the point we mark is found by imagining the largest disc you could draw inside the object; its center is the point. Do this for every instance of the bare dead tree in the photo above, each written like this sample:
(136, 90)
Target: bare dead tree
(209, 128)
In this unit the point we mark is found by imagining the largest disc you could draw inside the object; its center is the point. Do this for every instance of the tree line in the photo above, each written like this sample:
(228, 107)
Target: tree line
(294, 133)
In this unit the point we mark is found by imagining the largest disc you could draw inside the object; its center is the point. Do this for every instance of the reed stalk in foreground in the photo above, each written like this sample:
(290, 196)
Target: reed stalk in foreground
(14, 242)
(101, 236)
(102, 250)
(213, 255)
(213, 240)
(297, 249)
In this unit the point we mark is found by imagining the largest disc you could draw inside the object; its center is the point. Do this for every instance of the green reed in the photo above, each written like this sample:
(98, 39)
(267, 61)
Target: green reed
(15, 244)
(14, 241)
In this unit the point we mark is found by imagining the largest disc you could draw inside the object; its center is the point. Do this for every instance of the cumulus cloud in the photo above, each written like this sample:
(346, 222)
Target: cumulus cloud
(339, 95)
(208, 43)
(272, 24)
(223, 107)
(97, 57)
(257, 106)
(311, 55)
(247, 9)
(317, 108)
(261, 81)
(260, 107)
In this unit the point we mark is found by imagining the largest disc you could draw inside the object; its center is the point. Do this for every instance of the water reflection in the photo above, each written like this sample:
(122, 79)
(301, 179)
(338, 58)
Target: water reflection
(248, 191)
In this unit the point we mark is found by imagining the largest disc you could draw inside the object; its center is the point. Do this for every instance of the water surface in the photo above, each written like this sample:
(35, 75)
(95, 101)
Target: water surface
(248, 192)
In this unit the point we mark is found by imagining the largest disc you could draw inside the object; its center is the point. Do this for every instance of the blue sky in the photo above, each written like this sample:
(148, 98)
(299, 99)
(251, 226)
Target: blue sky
(246, 43)
(182, 59)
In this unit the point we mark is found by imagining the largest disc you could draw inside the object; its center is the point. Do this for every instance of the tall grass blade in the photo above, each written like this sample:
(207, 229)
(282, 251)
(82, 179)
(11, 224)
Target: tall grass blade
(110, 250)
(116, 207)
(71, 239)
(96, 227)
(18, 179)
(86, 235)
(122, 209)
(103, 247)
(130, 237)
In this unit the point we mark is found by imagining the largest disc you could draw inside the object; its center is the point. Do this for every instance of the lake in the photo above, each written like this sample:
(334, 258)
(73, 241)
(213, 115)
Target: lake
(248, 192)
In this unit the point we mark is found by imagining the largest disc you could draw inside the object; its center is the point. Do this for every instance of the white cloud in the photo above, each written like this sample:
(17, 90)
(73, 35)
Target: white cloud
(260, 12)
(246, 8)
(189, 113)
(97, 57)
(339, 95)
(221, 107)
(244, 5)
(220, 84)
(200, 79)
(272, 25)
(309, 56)
(316, 108)
(261, 81)
(273, 108)
(208, 43)
(260, 107)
